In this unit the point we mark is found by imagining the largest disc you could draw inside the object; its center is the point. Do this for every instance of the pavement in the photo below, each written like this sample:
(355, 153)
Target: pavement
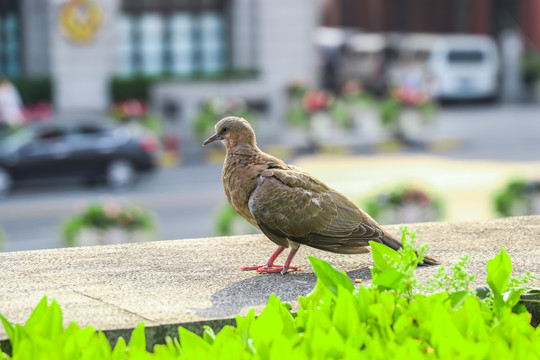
(191, 282)
(467, 188)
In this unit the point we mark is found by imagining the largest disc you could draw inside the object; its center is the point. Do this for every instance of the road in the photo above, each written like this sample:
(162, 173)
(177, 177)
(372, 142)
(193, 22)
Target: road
(185, 199)
(500, 132)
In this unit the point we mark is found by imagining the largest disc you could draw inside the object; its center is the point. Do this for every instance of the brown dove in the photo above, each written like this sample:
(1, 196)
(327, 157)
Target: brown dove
(288, 205)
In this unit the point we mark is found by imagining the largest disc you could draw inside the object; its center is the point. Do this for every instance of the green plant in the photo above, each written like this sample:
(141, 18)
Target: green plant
(389, 110)
(516, 198)
(530, 68)
(226, 219)
(340, 113)
(389, 319)
(122, 88)
(138, 87)
(105, 215)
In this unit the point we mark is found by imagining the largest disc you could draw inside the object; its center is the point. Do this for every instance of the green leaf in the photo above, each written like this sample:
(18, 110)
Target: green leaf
(138, 338)
(10, 330)
(35, 320)
(119, 352)
(499, 269)
(330, 276)
(209, 336)
(390, 279)
(345, 316)
(190, 342)
(457, 298)
(383, 256)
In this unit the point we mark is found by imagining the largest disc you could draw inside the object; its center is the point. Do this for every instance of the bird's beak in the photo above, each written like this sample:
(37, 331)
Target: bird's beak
(211, 139)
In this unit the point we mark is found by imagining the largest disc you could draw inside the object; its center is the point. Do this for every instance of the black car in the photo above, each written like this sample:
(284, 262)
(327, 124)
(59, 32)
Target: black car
(81, 146)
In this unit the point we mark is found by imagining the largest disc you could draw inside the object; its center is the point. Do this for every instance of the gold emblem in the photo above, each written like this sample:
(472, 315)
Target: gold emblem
(79, 20)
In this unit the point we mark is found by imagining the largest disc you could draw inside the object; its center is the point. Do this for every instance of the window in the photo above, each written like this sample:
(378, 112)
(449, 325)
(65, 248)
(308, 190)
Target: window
(180, 38)
(10, 47)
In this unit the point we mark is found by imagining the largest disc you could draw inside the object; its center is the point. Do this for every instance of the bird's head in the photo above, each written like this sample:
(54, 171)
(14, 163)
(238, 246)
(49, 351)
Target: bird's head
(233, 131)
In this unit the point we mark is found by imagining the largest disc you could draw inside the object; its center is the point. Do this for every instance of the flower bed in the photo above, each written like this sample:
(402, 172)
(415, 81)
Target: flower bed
(109, 222)
(404, 204)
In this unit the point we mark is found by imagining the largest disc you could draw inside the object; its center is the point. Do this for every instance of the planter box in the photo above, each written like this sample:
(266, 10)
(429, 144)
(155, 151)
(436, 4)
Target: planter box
(408, 213)
(414, 126)
(113, 235)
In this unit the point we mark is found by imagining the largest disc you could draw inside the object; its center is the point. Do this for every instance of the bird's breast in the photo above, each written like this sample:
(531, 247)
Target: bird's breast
(239, 182)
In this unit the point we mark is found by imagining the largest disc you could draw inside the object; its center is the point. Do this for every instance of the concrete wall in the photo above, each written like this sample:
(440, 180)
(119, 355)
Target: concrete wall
(82, 71)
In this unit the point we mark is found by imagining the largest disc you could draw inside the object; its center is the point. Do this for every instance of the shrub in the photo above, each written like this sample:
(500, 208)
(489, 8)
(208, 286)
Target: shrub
(389, 319)
(518, 197)
(530, 68)
(34, 90)
(122, 89)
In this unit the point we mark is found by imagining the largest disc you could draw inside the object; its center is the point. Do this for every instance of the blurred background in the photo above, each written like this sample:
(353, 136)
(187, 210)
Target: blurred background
(418, 110)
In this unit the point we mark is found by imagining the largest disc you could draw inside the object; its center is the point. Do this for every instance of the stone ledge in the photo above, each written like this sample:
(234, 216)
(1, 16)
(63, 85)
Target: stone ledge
(197, 281)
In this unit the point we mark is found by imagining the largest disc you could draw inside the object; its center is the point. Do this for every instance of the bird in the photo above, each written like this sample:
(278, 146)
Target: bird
(290, 206)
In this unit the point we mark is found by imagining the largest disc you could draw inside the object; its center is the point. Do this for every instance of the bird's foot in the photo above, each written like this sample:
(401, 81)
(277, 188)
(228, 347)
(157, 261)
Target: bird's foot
(265, 269)
(278, 268)
(256, 267)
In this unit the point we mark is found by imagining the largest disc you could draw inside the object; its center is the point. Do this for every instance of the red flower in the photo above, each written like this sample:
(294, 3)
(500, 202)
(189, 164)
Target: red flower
(316, 100)
(132, 108)
(408, 96)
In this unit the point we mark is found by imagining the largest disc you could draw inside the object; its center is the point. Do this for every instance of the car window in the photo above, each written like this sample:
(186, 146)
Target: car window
(51, 134)
(90, 130)
(465, 56)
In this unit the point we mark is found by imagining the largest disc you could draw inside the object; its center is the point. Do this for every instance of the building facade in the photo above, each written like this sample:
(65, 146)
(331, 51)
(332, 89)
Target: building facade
(490, 17)
(184, 46)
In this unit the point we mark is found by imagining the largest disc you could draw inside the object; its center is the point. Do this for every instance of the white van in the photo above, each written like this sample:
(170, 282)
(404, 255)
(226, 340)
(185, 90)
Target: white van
(464, 67)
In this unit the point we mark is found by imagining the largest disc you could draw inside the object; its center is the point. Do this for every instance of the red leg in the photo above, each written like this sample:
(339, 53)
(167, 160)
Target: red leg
(283, 269)
(270, 263)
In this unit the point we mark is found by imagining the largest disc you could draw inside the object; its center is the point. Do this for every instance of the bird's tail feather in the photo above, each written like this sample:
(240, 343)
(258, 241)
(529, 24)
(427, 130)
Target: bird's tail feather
(396, 245)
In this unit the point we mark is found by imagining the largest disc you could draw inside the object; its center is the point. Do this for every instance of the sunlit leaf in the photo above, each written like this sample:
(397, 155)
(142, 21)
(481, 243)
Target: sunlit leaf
(330, 276)
(383, 256)
(138, 338)
(499, 269)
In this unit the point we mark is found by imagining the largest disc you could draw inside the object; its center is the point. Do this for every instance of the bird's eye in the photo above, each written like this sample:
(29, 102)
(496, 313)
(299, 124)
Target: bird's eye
(224, 130)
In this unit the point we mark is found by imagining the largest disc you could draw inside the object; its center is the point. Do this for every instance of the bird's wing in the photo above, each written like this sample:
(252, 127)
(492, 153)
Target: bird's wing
(290, 204)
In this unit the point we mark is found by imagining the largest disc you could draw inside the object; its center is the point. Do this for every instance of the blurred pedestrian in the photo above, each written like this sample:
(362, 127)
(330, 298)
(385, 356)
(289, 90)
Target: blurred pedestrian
(10, 104)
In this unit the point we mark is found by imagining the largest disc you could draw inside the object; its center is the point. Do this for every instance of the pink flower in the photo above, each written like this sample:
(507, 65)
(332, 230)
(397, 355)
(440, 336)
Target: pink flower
(112, 209)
